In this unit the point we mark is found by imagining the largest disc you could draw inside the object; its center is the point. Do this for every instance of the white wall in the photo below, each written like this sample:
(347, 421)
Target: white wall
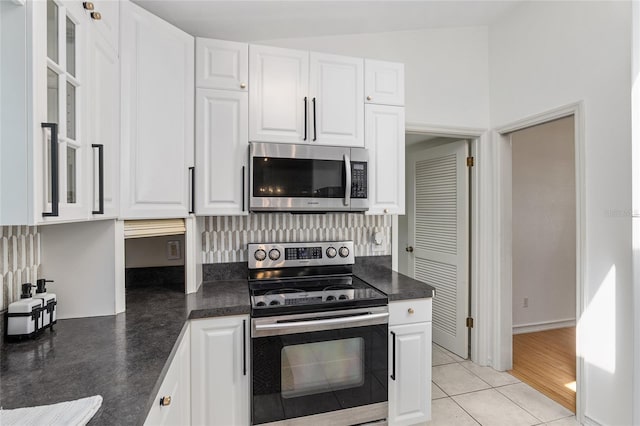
(152, 251)
(547, 54)
(544, 225)
(635, 75)
(446, 70)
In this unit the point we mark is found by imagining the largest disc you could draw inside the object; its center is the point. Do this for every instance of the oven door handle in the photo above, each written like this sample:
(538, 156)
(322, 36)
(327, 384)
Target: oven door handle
(330, 321)
(347, 185)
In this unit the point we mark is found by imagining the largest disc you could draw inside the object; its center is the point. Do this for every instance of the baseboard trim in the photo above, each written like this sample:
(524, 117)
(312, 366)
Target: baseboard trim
(543, 326)
(588, 421)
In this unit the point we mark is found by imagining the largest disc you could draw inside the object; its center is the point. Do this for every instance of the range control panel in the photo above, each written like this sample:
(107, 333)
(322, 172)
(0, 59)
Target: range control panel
(302, 253)
(284, 255)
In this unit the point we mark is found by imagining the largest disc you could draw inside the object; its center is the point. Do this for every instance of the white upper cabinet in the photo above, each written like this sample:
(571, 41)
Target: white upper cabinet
(337, 110)
(106, 17)
(384, 82)
(384, 138)
(104, 127)
(278, 95)
(44, 170)
(222, 64)
(221, 152)
(157, 117)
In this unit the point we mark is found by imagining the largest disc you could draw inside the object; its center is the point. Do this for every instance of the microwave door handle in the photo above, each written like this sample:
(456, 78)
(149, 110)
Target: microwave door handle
(347, 186)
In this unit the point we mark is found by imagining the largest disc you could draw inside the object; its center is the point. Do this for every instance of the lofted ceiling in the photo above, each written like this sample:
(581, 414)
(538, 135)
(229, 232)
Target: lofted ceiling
(263, 20)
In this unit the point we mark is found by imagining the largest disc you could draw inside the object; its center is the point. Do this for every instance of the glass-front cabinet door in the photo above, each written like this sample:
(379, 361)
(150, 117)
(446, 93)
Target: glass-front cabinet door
(60, 66)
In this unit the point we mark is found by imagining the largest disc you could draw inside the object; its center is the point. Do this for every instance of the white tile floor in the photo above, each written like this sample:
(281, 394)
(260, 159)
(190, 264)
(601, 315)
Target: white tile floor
(464, 393)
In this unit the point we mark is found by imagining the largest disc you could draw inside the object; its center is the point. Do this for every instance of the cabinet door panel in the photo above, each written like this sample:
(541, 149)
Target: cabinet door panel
(336, 84)
(383, 82)
(222, 64)
(410, 392)
(221, 152)
(177, 386)
(385, 141)
(105, 123)
(157, 116)
(61, 80)
(279, 82)
(220, 375)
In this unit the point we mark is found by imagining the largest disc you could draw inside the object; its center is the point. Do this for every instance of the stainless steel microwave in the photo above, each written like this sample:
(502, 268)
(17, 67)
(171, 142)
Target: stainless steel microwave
(301, 178)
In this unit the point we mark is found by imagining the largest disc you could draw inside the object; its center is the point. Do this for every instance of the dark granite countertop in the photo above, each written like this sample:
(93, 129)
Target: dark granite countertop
(122, 357)
(376, 270)
(125, 357)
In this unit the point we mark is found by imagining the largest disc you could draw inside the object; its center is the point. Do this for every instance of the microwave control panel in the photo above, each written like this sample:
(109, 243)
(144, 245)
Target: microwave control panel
(358, 179)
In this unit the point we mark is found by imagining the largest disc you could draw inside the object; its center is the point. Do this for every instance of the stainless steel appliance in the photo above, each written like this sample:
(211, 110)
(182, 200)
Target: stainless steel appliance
(286, 177)
(318, 337)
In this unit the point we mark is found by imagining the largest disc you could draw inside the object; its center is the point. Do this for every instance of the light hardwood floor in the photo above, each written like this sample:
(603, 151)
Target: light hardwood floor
(546, 360)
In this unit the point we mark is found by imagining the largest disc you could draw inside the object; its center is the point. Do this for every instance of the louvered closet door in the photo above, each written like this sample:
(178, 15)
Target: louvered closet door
(440, 239)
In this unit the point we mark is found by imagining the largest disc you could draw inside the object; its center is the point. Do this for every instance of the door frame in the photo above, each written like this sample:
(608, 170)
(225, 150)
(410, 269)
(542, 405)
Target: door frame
(478, 145)
(503, 324)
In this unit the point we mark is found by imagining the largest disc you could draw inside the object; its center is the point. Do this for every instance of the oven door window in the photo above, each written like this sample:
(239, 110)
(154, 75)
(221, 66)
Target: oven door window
(298, 178)
(309, 373)
(312, 368)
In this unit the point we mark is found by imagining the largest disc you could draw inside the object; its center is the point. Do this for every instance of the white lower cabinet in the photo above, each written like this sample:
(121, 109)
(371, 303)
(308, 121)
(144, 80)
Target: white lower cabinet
(409, 362)
(173, 403)
(220, 371)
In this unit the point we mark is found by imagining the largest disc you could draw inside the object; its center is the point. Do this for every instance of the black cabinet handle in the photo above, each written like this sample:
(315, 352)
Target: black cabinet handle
(393, 357)
(55, 173)
(305, 118)
(100, 178)
(244, 347)
(243, 196)
(314, 120)
(192, 170)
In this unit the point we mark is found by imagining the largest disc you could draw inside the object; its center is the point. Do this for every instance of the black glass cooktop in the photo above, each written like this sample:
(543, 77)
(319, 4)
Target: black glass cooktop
(300, 295)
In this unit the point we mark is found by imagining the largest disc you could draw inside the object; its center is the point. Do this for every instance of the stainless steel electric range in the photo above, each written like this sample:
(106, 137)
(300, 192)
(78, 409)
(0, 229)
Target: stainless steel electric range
(318, 337)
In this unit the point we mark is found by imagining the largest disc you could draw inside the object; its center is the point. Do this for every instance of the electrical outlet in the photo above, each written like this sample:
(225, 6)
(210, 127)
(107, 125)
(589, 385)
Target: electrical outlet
(525, 302)
(173, 250)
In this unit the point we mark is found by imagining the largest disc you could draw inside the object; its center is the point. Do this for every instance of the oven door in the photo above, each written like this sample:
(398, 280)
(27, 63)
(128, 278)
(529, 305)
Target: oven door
(287, 177)
(315, 363)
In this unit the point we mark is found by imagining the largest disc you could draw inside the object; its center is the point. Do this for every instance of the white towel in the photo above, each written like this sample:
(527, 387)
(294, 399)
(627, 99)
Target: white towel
(70, 413)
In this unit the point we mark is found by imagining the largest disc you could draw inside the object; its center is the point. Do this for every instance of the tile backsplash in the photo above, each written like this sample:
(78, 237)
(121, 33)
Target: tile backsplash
(225, 238)
(19, 260)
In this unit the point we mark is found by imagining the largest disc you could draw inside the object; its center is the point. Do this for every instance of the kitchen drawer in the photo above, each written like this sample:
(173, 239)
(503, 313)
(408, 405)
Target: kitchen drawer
(409, 311)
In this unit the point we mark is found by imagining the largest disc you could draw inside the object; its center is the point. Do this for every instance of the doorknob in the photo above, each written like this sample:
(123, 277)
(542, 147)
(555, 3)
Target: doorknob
(409, 249)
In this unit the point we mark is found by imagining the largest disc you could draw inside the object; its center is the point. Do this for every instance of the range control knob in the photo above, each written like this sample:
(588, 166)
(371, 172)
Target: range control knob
(331, 252)
(274, 254)
(331, 298)
(344, 252)
(343, 297)
(260, 255)
(274, 302)
(261, 303)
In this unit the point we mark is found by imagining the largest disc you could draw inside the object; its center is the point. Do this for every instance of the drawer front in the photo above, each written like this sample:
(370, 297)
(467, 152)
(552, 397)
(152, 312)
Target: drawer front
(409, 311)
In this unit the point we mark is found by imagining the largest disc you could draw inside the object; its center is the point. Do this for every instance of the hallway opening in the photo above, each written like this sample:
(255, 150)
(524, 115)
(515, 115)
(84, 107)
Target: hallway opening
(544, 281)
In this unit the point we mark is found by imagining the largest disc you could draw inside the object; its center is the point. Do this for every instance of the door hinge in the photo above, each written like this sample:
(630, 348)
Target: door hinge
(469, 161)
(470, 322)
